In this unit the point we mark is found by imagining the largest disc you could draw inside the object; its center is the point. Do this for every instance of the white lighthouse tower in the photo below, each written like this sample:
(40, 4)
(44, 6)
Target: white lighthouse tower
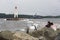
(16, 12)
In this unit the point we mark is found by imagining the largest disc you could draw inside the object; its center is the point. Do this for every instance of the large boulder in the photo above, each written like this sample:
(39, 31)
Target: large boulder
(23, 36)
(47, 33)
(6, 34)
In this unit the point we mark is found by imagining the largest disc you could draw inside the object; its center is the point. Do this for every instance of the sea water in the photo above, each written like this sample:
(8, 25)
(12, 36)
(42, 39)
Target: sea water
(23, 24)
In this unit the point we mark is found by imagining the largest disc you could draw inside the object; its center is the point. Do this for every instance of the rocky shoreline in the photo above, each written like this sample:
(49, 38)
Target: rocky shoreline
(42, 34)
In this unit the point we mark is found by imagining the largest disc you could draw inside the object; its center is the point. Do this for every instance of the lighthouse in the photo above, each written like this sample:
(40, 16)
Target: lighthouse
(16, 12)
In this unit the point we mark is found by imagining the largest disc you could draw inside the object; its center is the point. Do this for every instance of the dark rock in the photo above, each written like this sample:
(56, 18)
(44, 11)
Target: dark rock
(1, 38)
(58, 37)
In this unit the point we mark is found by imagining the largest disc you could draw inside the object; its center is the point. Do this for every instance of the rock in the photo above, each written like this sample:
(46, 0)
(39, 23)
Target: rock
(23, 36)
(6, 34)
(1, 38)
(42, 38)
(58, 37)
(47, 33)
(50, 32)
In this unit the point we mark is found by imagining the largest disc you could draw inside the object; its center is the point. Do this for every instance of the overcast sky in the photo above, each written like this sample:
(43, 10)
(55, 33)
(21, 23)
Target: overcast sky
(30, 7)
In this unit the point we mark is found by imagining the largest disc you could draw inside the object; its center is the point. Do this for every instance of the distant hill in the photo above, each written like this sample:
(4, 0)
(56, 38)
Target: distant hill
(3, 15)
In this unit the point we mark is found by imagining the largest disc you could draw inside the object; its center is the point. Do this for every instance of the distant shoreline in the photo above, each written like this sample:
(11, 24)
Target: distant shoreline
(2, 15)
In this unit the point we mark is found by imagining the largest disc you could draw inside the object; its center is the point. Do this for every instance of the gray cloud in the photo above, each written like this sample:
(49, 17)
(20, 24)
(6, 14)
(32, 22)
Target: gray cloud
(30, 7)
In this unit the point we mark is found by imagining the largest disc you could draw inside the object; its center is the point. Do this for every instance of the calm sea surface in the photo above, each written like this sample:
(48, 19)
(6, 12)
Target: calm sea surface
(21, 24)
